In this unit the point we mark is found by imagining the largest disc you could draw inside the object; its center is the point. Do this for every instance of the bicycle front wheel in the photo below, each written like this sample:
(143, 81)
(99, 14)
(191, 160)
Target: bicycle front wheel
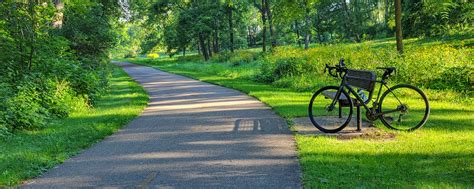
(329, 117)
(404, 107)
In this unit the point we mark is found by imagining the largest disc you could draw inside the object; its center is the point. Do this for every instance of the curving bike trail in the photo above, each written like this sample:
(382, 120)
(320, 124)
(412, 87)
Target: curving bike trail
(191, 135)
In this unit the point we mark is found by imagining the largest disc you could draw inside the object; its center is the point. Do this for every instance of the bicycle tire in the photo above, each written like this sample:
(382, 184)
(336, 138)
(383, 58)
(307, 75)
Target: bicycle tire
(319, 123)
(423, 109)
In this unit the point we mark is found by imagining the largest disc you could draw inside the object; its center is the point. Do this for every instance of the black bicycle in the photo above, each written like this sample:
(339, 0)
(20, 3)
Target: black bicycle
(401, 107)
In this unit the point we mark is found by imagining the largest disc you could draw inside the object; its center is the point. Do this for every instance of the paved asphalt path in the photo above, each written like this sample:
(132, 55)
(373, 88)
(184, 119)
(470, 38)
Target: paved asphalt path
(191, 135)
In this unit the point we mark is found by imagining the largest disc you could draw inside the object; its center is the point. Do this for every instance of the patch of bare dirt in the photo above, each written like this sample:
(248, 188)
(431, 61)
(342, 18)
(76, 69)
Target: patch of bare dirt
(370, 133)
(304, 126)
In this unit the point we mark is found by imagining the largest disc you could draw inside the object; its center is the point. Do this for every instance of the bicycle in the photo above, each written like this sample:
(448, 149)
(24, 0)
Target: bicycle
(401, 107)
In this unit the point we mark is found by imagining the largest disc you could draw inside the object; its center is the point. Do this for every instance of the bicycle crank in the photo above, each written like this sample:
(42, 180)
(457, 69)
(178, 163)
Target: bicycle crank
(371, 116)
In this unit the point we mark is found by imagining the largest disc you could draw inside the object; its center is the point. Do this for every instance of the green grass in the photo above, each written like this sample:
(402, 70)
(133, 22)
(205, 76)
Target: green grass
(29, 153)
(440, 155)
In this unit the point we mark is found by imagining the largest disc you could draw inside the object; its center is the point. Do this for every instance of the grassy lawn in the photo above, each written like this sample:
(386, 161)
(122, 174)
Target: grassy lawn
(30, 153)
(440, 155)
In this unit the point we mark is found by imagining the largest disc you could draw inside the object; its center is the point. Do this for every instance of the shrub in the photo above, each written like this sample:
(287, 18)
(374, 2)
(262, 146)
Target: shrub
(291, 67)
(190, 58)
(131, 54)
(68, 66)
(153, 55)
(222, 57)
(266, 72)
(237, 58)
(286, 67)
(243, 57)
(4, 132)
(57, 97)
(89, 84)
(458, 78)
(24, 111)
(434, 66)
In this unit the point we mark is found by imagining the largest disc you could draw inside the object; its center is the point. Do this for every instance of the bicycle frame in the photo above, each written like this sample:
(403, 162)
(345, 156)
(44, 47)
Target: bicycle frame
(356, 95)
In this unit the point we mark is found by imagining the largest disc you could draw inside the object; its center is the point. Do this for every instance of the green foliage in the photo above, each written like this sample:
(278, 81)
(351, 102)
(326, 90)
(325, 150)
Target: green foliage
(153, 55)
(183, 26)
(440, 66)
(48, 69)
(284, 67)
(24, 110)
(458, 78)
(131, 54)
(237, 58)
(290, 67)
(436, 18)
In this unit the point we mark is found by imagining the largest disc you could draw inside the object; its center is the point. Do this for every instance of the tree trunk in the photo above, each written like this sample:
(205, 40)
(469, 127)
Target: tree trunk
(318, 29)
(398, 25)
(209, 50)
(202, 44)
(320, 38)
(263, 12)
(184, 51)
(248, 37)
(307, 38)
(33, 34)
(264, 29)
(297, 29)
(270, 23)
(199, 48)
(254, 36)
(387, 14)
(231, 29)
(216, 41)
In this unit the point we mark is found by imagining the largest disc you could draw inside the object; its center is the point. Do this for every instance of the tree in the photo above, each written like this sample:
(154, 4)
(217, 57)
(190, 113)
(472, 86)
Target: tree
(398, 23)
(269, 14)
(263, 11)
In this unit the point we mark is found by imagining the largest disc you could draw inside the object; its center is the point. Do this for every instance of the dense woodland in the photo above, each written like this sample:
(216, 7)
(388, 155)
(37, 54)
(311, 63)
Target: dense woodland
(213, 26)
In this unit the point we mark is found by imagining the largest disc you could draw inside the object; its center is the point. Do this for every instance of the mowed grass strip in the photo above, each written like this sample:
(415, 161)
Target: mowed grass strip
(440, 155)
(28, 154)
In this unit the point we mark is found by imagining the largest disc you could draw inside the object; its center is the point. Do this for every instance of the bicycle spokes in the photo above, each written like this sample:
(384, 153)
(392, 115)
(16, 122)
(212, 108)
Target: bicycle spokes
(404, 108)
(328, 112)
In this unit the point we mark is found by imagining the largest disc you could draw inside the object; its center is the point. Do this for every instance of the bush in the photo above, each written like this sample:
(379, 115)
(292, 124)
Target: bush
(88, 84)
(57, 97)
(243, 57)
(433, 66)
(286, 67)
(237, 58)
(458, 78)
(131, 54)
(190, 58)
(67, 69)
(222, 57)
(24, 110)
(153, 55)
(291, 67)
(4, 132)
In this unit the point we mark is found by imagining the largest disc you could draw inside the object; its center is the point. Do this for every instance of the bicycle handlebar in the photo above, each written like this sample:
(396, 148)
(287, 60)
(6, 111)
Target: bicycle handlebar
(339, 69)
(388, 71)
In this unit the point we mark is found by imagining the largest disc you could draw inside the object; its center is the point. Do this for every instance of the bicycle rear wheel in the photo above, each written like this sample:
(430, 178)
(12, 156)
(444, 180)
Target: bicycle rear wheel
(327, 118)
(404, 107)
